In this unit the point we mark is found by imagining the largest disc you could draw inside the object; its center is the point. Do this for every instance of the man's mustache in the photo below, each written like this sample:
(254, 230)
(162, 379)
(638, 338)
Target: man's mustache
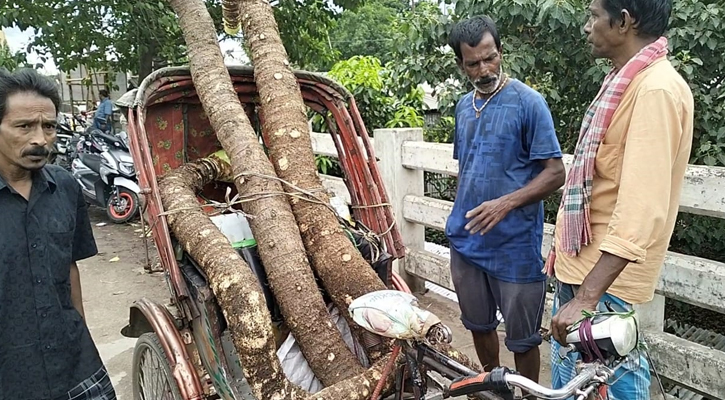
(36, 151)
(486, 80)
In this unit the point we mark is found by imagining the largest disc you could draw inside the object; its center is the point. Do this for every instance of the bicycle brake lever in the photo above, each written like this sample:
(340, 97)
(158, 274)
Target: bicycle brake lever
(494, 381)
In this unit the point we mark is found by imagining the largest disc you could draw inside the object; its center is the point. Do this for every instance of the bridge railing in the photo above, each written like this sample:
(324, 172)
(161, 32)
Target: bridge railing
(403, 156)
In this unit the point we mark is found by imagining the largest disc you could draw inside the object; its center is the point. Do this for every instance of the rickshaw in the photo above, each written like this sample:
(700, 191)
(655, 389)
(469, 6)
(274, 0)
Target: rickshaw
(184, 350)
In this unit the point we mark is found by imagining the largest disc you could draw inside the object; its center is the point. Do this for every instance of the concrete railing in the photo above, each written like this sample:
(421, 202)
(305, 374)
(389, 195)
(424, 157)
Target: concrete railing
(404, 156)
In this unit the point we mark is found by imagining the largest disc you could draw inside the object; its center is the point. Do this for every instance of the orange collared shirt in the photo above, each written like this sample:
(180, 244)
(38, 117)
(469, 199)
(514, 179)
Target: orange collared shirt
(639, 173)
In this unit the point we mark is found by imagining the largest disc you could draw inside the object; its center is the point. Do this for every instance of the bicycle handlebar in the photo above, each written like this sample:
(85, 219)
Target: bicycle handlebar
(583, 385)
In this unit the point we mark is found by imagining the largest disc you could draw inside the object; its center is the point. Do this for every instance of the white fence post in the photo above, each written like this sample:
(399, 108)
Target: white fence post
(651, 315)
(651, 318)
(399, 182)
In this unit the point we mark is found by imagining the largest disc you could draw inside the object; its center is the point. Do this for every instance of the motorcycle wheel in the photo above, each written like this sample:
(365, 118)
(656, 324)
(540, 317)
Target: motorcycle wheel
(123, 208)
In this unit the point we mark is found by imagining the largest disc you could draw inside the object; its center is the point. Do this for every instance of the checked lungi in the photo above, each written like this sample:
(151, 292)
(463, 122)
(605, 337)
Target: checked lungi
(97, 387)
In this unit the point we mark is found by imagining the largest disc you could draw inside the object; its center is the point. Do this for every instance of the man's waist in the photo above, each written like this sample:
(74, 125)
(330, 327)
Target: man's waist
(635, 285)
(517, 265)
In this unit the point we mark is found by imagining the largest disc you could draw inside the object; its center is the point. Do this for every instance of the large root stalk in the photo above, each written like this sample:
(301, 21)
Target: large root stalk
(273, 224)
(344, 272)
(237, 290)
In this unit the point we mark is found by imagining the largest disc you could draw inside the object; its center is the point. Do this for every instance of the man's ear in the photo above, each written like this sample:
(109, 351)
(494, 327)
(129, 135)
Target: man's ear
(627, 23)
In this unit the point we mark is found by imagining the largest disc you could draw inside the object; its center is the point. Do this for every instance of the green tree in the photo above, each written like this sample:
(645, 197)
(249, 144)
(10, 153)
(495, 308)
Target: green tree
(115, 35)
(141, 35)
(420, 52)
(368, 30)
(10, 60)
(370, 83)
(544, 46)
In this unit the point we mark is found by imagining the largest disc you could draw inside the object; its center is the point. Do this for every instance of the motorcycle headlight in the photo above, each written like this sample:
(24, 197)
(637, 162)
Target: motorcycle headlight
(126, 168)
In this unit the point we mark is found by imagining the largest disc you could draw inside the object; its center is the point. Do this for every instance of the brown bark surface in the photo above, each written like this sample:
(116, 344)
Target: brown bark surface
(273, 224)
(237, 290)
(340, 266)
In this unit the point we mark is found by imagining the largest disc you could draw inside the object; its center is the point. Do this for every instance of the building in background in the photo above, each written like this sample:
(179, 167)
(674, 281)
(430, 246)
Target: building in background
(80, 86)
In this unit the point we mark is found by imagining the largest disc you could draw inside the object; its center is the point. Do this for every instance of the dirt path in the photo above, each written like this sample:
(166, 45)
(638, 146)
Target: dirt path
(111, 287)
(449, 313)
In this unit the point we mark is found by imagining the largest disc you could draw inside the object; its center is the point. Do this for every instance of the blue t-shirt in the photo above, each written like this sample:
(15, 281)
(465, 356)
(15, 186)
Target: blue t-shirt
(104, 109)
(497, 154)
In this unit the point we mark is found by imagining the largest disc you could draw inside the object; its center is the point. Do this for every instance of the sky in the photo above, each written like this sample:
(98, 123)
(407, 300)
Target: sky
(18, 41)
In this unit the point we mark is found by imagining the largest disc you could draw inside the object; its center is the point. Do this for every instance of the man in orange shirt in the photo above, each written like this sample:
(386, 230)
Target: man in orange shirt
(621, 197)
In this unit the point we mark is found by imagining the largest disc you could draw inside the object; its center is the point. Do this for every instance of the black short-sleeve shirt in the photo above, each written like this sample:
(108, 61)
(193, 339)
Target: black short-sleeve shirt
(45, 346)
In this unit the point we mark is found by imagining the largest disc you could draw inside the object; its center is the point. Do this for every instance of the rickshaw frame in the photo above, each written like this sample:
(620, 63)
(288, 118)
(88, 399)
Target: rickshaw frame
(174, 327)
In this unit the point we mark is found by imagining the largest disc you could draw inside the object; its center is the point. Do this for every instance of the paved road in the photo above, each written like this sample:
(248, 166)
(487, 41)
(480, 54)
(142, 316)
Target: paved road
(110, 286)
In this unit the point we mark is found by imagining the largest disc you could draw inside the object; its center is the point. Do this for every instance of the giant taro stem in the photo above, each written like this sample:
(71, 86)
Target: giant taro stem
(237, 290)
(273, 224)
(344, 272)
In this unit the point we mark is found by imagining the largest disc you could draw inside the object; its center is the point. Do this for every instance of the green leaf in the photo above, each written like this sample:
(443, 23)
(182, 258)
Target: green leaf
(721, 159)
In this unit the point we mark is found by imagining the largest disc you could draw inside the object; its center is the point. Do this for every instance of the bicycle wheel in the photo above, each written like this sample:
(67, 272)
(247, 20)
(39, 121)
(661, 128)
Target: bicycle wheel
(152, 378)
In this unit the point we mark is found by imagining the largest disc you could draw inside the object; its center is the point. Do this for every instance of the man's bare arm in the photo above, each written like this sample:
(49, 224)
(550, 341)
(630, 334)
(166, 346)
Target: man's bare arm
(544, 184)
(76, 294)
(484, 217)
(596, 283)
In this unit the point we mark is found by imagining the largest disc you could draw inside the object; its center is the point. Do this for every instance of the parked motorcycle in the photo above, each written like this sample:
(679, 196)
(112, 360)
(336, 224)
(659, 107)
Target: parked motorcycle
(62, 148)
(108, 180)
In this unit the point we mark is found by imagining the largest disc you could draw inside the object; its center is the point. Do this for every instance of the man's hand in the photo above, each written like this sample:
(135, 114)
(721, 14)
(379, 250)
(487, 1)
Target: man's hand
(76, 294)
(569, 314)
(484, 217)
(596, 283)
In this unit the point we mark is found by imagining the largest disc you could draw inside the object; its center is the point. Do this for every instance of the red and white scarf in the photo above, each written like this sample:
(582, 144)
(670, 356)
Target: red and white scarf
(574, 220)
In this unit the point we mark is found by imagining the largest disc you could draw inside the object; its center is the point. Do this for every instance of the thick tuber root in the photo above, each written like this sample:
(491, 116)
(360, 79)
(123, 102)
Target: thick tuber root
(342, 269)
(273, 224)
(237, 290)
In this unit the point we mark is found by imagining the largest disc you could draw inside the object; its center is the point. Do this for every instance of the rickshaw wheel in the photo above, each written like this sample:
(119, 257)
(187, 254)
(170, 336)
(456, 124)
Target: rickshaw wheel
(152, 378)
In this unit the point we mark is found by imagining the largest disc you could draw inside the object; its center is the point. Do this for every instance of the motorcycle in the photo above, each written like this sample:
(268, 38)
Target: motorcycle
(62, 148)
(108, 180)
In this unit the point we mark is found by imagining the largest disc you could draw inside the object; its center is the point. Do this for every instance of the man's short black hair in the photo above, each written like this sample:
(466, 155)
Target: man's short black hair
(26, 80)
(103, 93)
(652, 16)
(471, 31)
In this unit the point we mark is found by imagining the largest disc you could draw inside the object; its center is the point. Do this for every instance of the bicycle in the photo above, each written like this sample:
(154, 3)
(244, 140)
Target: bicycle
(430, 374)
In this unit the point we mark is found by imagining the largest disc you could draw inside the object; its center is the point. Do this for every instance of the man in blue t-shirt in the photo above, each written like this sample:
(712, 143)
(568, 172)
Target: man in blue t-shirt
(103, 117)
(509, 161)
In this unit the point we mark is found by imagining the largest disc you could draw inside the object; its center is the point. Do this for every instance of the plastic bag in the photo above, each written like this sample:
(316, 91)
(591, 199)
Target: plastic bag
(295, 365)
(392, 314)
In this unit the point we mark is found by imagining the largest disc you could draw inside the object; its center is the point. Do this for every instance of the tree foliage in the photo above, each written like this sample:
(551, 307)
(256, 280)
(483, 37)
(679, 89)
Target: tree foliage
(368, 30)
(111, 35)
(136, 36)
(369, 82)
(10, 60)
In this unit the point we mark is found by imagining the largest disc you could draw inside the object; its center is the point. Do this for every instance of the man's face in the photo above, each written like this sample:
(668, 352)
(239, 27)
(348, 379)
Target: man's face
(27, 131)
(482, 64)
(603, 37)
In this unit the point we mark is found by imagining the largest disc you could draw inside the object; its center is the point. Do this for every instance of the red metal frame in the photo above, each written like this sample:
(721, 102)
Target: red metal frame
(181, 368)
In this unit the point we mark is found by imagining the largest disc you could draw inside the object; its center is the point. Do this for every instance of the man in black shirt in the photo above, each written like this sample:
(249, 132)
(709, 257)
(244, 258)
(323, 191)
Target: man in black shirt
(46, 350)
